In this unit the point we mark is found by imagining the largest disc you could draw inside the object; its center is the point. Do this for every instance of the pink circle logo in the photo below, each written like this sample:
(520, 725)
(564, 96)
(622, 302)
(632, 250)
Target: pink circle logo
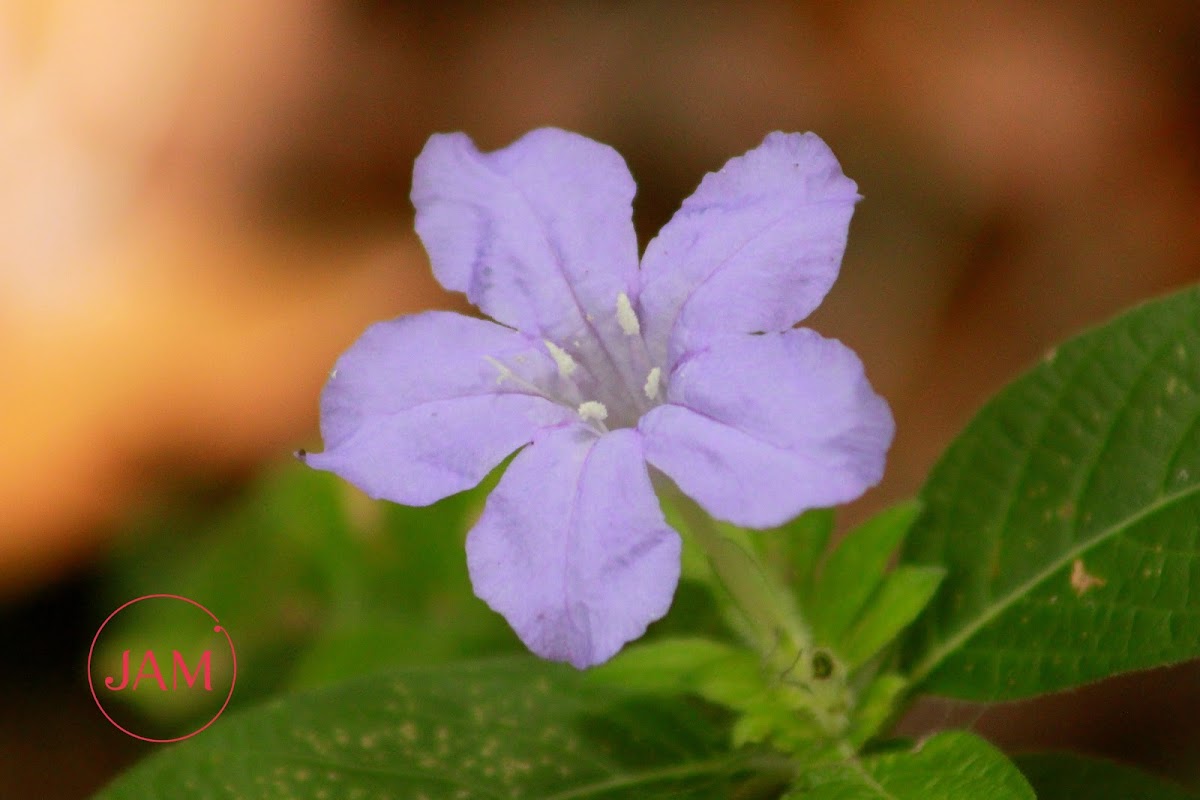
(178, 662)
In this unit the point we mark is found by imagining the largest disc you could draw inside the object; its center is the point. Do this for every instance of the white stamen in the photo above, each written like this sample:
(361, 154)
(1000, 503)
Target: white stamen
(626, 318)
(593, 411)
(652, 381)
(504, 371)
(566, 364)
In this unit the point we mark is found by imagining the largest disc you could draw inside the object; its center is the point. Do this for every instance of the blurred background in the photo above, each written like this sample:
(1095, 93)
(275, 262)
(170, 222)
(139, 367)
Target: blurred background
(203, 202)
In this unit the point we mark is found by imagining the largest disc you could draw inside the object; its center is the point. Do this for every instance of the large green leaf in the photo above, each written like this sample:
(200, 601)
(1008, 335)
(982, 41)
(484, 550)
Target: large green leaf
(1066, 776)
(949, 766)
(1066, 515)
(504, 728)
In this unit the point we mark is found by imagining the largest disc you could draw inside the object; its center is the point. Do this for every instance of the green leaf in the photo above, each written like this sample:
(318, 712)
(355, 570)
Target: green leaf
(508, 728)
(1066, 776)
(948, 766)
(1066, 514)
(716, 671)
(905, 592)
(314, 581)
(384, 639)
(770, 708)
(793, 550)
(288, 536)
(877, 706)
(854, 570)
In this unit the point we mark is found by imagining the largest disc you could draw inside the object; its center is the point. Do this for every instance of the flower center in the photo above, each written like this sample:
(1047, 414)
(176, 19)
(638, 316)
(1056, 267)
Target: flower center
(607, 378)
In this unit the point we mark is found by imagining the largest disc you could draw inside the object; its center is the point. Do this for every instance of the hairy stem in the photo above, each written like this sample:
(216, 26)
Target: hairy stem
(773, 621)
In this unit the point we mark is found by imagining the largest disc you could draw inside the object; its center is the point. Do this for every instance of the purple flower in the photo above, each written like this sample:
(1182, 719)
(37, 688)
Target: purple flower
(598, 367)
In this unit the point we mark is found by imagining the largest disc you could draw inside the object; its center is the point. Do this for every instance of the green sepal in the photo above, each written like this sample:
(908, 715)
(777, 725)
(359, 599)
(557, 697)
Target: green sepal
(794, 550)
(904, 593)
(718, 672)
(854, 570)
(876, 707)
(770, 709)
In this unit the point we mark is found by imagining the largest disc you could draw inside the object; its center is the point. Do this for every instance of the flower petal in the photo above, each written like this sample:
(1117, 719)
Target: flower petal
(760, 428)
(756, 248)
(572, 548)
(539, 234)
(415, 411)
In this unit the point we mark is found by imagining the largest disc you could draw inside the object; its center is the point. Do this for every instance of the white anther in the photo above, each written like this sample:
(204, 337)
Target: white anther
(593, 411)
(566, 364)
(652, 381)
(626, 318)
(504, 371)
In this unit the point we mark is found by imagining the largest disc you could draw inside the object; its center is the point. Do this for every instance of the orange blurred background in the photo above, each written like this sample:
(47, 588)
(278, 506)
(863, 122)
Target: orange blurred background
(202, 202)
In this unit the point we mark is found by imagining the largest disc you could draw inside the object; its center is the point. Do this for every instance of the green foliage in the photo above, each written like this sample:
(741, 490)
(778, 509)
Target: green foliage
(1065, 776)
(949, 766)
(718, 672)
(314, 582)
(1056, 542)
(854, 570)
(903, 594)
(751, 598)
(771, 707)
(804, 696)
(507, 728)
(876, 707)
(1066, 514)
(795, 549)
(856, 606)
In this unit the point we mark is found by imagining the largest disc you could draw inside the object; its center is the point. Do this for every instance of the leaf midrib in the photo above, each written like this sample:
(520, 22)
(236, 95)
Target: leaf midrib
(948, 646)
(696, 768)
(871, 781)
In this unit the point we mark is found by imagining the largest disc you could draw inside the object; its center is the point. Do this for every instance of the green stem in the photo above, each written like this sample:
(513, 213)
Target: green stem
(773, 623)
(772, 619)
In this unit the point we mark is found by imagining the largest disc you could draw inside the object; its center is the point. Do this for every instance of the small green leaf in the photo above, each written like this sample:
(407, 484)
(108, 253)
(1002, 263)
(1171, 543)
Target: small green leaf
(1066, 776)
(1066, 514)
(771, 708)
(793, 550)
(904, 594)
(785, 730)
(718, 672)
(508, 728)
(854, 570)
(948, 766)
(876, 707)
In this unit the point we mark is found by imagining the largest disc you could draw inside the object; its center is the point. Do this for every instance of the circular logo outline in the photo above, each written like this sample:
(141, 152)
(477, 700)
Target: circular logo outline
(218, 628)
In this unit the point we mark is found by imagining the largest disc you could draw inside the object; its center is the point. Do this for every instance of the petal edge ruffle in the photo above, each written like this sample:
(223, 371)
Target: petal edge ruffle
(755, 248)
(539, 234)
